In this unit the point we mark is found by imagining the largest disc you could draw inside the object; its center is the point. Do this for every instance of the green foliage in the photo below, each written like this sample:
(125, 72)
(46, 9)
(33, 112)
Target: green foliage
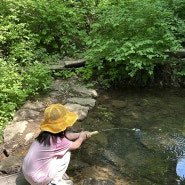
(129, 39)
(17, 85)
(58, 25)
(16, 41)
(11, 92)
(64, 74)
(36, 78)
(49, 26)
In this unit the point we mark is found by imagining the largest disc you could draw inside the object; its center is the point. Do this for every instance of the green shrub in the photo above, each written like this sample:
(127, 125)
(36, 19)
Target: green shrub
(11, 91)
(17, 84)
(129, 39)
(16, 41)
(59, 25)
(36, 78)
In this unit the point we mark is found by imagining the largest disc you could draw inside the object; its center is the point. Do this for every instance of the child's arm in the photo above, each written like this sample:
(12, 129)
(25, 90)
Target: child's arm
(82, 136)
(72, 136)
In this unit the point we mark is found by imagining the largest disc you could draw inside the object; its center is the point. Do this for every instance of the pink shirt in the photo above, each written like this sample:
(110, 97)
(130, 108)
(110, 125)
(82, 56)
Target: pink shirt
(39, 164)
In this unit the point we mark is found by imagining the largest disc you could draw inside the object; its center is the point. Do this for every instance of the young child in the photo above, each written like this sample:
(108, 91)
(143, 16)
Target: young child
(48, 157)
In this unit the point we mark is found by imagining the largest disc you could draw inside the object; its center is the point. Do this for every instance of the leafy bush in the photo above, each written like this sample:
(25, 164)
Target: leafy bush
(16, 41)
(18, 84)
(36, 78)
(59, 25)
(129, 39)
(178, 7)
(11, 91)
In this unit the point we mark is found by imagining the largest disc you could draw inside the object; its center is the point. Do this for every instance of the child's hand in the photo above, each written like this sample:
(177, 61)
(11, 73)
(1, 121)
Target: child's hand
(83, 135)
(88, 134)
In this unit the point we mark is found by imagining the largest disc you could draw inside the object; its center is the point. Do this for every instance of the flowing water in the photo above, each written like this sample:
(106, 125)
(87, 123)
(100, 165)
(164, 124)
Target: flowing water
(141, 159)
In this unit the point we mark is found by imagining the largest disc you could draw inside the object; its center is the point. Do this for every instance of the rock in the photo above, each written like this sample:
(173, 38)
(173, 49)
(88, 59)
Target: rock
(23, 114)
(19, 135)
(92, 181)
(80, 110)
(37, 106)
(160, 141)
(77, 164)
(11, 164)
(119, 104)
(82, 101)
(14, 129)
(85, 92)
(114, 159)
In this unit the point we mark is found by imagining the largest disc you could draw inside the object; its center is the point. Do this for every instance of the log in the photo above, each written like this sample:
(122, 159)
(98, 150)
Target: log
(74, 63)
(68, 64)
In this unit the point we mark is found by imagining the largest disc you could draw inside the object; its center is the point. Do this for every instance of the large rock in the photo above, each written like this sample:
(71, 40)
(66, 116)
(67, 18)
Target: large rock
(19, 135)
(25, 114)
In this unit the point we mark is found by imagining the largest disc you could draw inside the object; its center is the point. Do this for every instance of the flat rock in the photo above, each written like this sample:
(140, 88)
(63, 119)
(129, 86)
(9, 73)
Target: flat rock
(14, 179)
(82, 101)
(37, 106)
(85, 92)
(23, 114)
(11, 164)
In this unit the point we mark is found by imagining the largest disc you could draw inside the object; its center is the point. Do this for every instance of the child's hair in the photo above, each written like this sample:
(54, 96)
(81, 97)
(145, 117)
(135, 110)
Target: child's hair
(44, 137)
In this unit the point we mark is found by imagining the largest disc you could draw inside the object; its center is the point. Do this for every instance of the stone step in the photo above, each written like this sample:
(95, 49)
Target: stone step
(14, 179)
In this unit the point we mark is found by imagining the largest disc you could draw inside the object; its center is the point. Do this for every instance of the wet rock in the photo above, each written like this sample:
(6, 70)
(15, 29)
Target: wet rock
(159, 141)
(11, 164)
(119, 104)
(114, 159)
(77, 164)
(82, 101)
(92, 181)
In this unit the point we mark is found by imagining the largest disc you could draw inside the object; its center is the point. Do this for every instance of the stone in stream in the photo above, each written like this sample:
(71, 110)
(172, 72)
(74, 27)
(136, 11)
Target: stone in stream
(161, 141)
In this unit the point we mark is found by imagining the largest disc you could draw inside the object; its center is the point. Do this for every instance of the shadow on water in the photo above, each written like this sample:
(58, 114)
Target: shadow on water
(147, 158)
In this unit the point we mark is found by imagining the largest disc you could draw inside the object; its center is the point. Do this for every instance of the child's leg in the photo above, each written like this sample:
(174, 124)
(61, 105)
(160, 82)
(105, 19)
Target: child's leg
(61, 166)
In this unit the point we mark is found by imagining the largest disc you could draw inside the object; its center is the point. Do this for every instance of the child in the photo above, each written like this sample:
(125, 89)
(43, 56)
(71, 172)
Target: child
(48, 157)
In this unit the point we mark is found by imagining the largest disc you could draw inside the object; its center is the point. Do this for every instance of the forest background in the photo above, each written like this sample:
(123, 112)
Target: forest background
(121, 40)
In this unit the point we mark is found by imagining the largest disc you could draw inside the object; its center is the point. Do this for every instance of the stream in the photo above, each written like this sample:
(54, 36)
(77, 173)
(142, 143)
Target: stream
(156, 113)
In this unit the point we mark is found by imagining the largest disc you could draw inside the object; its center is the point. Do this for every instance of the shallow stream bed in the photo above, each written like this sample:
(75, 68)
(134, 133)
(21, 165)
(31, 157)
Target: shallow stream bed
(156, 112)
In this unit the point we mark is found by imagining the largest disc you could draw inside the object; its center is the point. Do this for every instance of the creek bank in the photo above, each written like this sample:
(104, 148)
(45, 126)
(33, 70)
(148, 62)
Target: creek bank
(21, 131)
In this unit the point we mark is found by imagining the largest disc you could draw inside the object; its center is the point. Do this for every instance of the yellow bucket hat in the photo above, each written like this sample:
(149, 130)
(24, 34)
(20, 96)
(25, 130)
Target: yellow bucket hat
(57, 118)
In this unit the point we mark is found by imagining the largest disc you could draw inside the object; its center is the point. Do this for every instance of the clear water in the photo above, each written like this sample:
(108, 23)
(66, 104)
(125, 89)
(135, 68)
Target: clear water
(154, 111)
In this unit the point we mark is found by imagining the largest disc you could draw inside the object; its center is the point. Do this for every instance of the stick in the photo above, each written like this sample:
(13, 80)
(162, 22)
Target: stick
(94, 133)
